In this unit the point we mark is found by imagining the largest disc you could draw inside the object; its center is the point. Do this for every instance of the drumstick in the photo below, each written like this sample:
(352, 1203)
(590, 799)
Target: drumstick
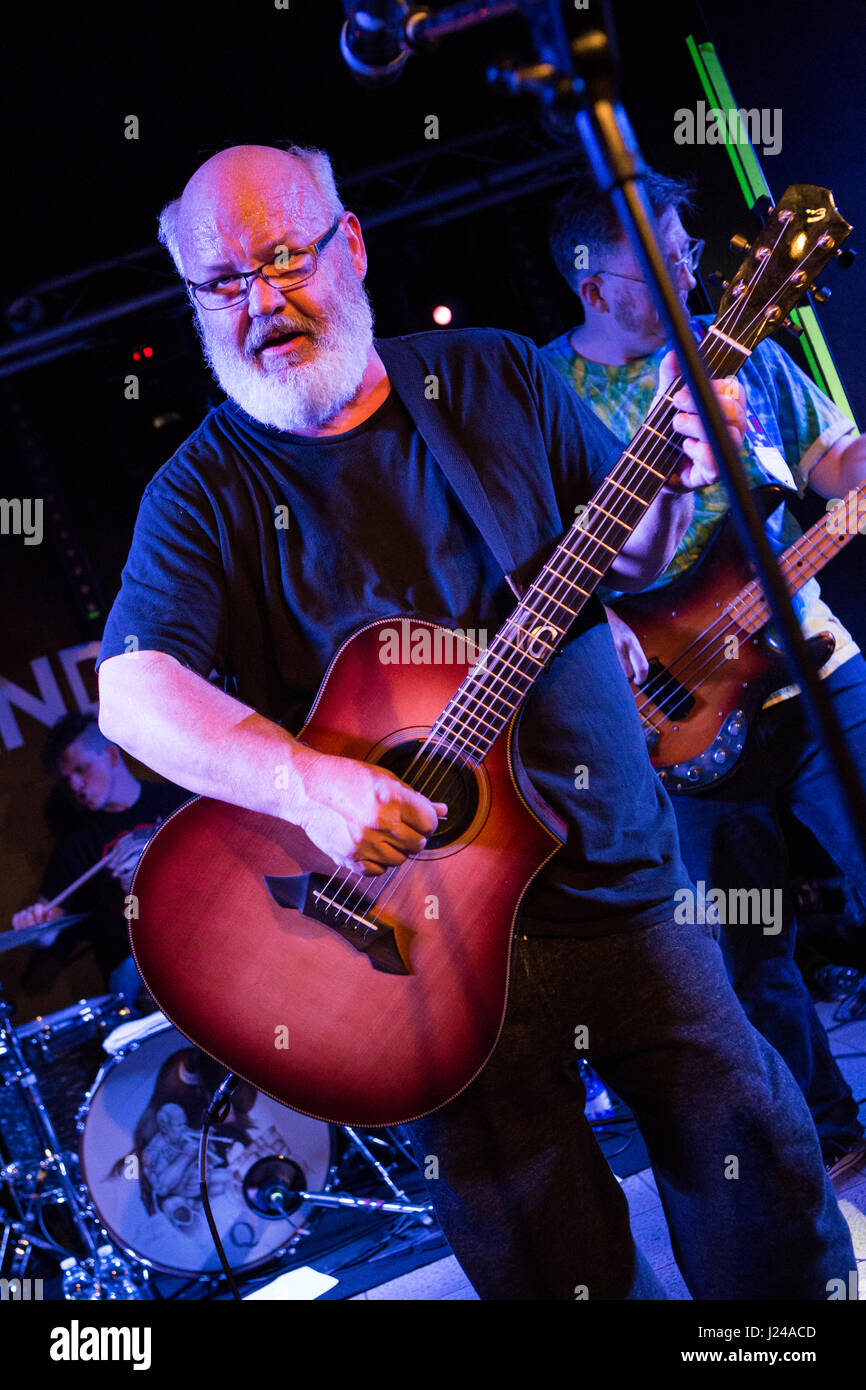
(88, 873)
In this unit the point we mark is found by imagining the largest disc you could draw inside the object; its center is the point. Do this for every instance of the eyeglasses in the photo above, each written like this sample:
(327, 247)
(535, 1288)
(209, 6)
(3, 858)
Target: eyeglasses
(688, 261)
(291, 269)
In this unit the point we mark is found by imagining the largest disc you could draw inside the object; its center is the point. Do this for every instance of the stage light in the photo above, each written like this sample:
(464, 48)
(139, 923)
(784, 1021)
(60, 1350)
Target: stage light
(442, 315)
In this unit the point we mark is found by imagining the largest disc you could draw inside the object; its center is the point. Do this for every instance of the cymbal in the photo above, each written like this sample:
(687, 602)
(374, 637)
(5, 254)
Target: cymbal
(30, 936)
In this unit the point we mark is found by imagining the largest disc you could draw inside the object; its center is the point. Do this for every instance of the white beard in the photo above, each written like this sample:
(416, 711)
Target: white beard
(298, 396)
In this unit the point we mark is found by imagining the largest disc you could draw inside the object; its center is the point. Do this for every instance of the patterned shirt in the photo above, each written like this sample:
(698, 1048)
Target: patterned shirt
(791, 425)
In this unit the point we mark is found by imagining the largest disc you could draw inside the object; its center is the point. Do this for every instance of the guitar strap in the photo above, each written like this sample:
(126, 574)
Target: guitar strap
(410, 377)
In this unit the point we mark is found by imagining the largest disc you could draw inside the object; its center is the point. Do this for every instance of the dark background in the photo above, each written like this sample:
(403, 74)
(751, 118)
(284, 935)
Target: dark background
(200, 77)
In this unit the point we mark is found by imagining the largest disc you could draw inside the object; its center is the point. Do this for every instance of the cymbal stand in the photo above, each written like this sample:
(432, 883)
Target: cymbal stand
(54, 1160)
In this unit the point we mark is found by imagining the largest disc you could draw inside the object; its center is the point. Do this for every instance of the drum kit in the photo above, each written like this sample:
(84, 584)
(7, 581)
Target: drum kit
(100, 1121)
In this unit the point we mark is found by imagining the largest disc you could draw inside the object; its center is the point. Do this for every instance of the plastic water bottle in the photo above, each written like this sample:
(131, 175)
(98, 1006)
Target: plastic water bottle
(78, 1281)
(114, 1276)
(598, 1103)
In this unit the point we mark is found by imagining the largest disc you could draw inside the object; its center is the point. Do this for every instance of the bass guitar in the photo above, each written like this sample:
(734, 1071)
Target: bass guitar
(372, 1001)
(713, 659)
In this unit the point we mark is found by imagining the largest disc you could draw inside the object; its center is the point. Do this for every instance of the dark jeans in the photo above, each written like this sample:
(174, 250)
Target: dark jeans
(524, 1194)
(732, 838)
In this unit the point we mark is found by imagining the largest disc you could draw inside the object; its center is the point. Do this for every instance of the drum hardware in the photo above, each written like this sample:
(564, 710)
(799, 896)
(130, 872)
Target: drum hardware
(46, 1066)
(273, 1172)
(273, 1188)
(53, 1158)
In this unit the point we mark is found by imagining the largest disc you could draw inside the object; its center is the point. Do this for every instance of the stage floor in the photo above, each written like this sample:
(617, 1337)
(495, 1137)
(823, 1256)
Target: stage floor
(445, 1280)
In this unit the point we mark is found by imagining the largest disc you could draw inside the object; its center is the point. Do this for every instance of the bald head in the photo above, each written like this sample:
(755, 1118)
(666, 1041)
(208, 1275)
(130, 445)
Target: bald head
(239, 194)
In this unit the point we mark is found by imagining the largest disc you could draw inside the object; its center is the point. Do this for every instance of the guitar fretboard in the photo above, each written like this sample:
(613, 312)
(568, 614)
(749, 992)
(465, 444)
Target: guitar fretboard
(800, 236)
(501, 679)
(803, 559)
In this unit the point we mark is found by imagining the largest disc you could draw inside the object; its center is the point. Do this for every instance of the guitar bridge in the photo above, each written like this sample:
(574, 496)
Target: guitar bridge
(307, 894)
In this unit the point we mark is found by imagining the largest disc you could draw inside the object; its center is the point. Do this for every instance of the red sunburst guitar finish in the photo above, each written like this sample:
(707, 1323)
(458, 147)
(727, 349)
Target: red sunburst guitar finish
(372, 1001)
(257, 984)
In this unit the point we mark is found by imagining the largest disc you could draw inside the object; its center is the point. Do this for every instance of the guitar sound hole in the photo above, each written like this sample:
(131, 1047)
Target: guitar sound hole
(438, 778)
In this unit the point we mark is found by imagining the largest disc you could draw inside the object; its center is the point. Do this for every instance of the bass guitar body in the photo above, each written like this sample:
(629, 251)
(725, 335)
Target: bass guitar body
(703, 691)
(355, 999)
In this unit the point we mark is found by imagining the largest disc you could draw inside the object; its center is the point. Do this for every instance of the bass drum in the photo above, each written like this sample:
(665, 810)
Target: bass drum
(139, 1133)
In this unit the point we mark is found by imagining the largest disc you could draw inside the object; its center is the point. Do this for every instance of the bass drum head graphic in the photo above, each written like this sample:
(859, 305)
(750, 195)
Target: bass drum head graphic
(139, 1136)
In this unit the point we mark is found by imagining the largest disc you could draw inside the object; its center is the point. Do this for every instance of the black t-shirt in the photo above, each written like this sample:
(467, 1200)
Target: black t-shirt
(103, 896)
(257, 552)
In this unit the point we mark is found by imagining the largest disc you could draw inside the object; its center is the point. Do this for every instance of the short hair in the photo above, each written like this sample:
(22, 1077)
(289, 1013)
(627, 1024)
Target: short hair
(68, 729)
(318, 166)
(587, 217)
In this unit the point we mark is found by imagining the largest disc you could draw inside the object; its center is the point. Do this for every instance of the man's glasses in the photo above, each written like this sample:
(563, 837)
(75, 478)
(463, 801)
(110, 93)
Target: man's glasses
(688, 260)
(291, 269)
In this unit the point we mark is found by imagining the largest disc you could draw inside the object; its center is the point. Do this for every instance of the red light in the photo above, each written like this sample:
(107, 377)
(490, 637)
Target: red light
(442, 315)
(148, 352)
(136, 357)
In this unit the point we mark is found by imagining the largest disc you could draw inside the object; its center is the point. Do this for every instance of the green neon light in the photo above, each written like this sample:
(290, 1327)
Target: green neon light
(753, 185)
(718, 92)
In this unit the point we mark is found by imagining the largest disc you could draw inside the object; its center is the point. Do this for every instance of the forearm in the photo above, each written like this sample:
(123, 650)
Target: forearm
(651, 545)
(841, 469)
(195, 735)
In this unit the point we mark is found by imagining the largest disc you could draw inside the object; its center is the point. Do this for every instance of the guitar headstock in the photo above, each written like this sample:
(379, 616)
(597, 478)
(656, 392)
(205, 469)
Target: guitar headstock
(802, 233)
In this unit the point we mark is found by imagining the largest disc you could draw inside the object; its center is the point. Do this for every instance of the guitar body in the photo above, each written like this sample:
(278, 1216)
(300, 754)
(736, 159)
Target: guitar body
(303, 1012)
(697, 743)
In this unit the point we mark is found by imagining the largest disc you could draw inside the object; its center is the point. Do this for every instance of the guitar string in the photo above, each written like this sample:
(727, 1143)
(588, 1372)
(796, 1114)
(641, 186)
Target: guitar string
(723, 321)
(735, 310)
(755, 604)
(390, 876)
(800, 552)
(647, 691)
(743, 300)
(797, 555)
(441, 743)
(442, 748)
(711, 651)
(446, 739)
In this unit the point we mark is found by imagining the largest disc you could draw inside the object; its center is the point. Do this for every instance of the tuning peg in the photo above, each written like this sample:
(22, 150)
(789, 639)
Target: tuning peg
(715, 278)
(762, 207)
(846, 257)
(795, 329)
(739, 243)
(820, 294)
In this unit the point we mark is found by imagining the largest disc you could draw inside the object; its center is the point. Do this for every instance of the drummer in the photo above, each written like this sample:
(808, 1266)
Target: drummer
(117, 814)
